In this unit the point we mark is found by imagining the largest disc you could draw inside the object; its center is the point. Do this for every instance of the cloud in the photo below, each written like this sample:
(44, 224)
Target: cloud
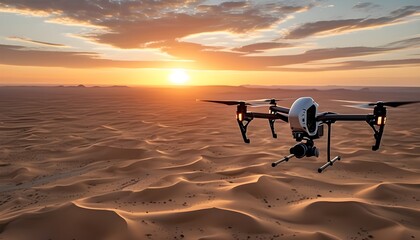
(131, 24)
(216, 59)
(22, 56)
(378, 64)
(209, 58)
(365, 6)
(358, 65)
(259, 47)
(314, 28)
(405, 43)
(198, 56)
(28, 40)
(238, 18)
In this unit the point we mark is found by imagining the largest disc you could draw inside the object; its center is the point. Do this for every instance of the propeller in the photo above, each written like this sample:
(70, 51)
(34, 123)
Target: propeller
(391, 104)
(226, 102)
(251, 103)
(368, 105)
(353, 104)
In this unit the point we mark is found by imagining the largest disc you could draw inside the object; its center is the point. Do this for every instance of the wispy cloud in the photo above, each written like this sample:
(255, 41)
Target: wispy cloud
(353, 65)
(405, 43)
(321, 27)
(259, 47)
(28, 40)
(366, 6)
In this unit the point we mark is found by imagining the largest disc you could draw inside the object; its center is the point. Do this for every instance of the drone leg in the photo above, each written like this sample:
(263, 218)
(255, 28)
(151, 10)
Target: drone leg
(243, 127)
(329, 160)
(273, 131)
(285, 159)
(329, 163)
(377, 134)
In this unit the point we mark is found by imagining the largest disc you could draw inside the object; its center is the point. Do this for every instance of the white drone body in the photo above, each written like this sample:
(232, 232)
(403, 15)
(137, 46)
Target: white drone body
(302, 118)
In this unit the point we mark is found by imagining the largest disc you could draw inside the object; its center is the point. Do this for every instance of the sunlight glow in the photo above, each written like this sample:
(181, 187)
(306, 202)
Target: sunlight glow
(178, 77)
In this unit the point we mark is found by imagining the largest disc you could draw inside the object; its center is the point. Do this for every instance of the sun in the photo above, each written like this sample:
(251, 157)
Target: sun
(178, 77)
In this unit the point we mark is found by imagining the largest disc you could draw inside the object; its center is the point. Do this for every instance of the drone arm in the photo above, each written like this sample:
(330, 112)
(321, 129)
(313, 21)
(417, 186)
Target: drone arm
(268, 116)
(279, 109)
(376, 119)
(272, 117)
(332, 117)
(244, 119)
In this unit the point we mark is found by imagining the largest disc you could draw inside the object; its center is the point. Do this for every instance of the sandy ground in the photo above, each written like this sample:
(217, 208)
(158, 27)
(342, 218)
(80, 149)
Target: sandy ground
(143, 163)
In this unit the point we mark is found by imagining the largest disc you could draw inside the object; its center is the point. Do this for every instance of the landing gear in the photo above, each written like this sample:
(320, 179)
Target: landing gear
(273, 131)
(330, 161)
(284, 159)
(243, 126)
(300, 150)
(307, 149)
(243, 120)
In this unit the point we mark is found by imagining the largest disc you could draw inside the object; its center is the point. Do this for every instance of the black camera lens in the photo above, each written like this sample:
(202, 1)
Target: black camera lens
(299, 150)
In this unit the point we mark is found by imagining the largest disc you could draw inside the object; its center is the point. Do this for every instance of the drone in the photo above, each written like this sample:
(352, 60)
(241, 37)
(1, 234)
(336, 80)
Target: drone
(307, 124)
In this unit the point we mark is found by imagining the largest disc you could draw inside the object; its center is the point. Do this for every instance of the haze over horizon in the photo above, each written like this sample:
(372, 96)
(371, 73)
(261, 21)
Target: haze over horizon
(210, 42)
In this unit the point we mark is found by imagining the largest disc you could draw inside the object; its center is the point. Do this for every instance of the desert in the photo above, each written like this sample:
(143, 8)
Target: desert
(152, 163)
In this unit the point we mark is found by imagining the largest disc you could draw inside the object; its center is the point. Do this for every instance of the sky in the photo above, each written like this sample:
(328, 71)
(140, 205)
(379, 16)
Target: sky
(210, 42)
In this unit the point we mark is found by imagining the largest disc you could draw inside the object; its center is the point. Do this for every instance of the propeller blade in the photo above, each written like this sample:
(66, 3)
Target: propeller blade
(348, 101)
(360, 106)
(394, 103)
(355, 104)
(367, 105)
(265, 100)
(226, 102)
(252, 103)
(256, 103)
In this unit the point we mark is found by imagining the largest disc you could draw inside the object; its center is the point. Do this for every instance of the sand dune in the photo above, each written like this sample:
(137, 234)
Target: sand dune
(146, 163)
(68, 221)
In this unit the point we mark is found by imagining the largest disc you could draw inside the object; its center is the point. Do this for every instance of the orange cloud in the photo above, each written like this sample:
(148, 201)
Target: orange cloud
(21, 56)
(196, 56)
(131, 24)
(258, 47)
